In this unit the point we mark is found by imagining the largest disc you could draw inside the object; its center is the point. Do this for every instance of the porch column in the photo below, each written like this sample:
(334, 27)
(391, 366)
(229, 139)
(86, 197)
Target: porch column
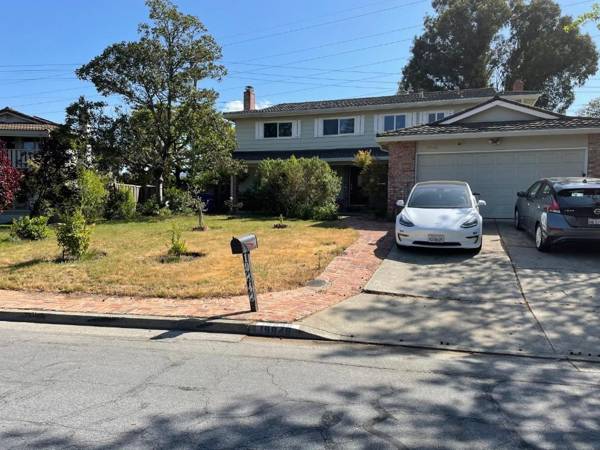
(401, 171)
(233, 189)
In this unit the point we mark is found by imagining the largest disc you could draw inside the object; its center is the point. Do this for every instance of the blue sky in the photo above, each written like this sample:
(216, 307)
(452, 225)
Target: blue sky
(289, 51)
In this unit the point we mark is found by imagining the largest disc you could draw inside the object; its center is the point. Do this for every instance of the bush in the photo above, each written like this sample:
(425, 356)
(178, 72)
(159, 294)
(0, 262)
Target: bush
(150, 207)
(326, 212)
(178, 245)
(296, 187)
(120, 204)
(179, 201)
(93, 194)
(30, 228)
(73, 236)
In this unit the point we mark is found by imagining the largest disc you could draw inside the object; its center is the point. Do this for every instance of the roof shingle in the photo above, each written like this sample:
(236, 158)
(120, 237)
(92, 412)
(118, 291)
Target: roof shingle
(411, 97)
(479, 127)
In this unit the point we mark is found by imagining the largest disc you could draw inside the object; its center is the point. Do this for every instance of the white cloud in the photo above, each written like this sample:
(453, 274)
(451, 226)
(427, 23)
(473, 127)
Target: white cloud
(238, 105)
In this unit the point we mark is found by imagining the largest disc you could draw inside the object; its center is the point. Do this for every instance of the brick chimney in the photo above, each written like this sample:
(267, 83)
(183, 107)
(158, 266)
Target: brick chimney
(518, 85)
(249, 99)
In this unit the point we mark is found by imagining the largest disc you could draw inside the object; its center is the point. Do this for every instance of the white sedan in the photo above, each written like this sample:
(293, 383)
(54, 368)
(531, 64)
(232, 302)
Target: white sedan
(440, 214)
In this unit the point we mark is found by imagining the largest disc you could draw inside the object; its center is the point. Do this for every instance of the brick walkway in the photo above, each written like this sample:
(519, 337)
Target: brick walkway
(344, 277)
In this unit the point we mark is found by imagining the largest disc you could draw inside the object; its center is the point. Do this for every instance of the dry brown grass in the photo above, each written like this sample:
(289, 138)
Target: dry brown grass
(126, 258)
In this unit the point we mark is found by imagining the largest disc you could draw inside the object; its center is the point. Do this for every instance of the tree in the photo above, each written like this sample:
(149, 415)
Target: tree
(52, 176)
(96, 136)
(592, 15)
(374, 178)
(158, 75)
(455, 49)
(10, 179)
(546, 53)
(476, 43)
(592, 109)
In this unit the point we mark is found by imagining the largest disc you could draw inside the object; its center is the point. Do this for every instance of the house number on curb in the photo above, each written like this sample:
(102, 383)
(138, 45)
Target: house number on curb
(244, 245)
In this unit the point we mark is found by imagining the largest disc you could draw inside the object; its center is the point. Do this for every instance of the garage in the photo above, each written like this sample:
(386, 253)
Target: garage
(499, 175)
(499, 147)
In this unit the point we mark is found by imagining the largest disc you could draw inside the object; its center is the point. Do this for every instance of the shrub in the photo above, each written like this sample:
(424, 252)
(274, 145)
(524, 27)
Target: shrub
(150, 207)
(326, 212)
(10, 179)
(30, 228)
(179, 201)
(178, 245)
(296, 187)
(120, 204)
(93, 194)
(73, 236)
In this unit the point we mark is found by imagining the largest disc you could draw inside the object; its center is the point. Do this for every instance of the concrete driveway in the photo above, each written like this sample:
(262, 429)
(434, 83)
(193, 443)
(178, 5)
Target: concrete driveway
(508, 298)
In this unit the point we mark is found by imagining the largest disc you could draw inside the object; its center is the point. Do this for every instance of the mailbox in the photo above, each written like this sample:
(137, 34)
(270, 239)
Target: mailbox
(243, 244)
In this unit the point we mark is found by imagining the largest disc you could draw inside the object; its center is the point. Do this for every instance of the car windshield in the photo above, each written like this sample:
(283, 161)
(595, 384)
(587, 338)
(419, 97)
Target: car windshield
(440, 196)
(579, 197)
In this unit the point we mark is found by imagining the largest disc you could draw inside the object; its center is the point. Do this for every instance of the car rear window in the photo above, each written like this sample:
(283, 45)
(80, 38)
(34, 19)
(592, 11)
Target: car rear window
(579, 197)
(440, 196)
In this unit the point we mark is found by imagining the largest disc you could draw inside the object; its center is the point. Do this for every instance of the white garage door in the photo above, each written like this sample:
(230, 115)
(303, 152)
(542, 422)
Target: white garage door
(498, 176)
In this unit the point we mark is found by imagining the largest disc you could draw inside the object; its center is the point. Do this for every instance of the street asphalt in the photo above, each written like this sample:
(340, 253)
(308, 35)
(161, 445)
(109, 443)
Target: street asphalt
(102, 388)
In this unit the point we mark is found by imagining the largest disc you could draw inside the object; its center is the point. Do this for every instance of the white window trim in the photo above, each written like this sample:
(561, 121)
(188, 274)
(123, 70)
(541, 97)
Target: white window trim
(379, 119)
(359, 126)
(259, 129)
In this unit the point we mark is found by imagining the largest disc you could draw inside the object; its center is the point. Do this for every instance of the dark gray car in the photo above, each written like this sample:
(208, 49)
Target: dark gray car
(560, 209)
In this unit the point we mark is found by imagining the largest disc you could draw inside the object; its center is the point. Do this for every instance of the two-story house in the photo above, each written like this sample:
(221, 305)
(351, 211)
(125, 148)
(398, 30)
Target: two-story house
(335, 130)
(22, 135)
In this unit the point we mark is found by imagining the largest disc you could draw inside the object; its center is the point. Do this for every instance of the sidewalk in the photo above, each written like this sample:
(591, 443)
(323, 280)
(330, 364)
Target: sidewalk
(344, 277)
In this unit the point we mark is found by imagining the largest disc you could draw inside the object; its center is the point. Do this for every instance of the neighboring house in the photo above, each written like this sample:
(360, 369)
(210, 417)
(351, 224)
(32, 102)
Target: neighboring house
(22, 135)
(498, 146)
(334, 130)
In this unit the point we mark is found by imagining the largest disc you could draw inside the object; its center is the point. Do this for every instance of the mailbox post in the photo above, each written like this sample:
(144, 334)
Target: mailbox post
(244, 245)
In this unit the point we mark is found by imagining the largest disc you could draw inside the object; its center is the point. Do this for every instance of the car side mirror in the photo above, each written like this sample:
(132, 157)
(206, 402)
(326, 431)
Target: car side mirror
(400, 203)
(521, 194)
(481, 203)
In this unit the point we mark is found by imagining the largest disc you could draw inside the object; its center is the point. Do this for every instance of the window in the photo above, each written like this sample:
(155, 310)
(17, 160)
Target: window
(440, 196)
(338, 126)
(391, 123)
(278, 130)
(433, 116)
(30, 145)
(534, 189)
(330, 126)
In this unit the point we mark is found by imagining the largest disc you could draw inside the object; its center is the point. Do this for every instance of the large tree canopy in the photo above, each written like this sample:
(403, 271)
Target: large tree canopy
(160, 74)
(541, 52)
(455, 49)
(476, 43)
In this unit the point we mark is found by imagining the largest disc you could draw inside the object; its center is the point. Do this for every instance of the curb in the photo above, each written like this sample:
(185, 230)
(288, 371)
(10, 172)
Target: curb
(263, 329)
(248, 328)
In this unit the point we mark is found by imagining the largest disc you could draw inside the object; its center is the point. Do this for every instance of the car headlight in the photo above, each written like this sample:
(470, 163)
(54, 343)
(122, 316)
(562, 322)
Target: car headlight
(470, 223)
(403, 220)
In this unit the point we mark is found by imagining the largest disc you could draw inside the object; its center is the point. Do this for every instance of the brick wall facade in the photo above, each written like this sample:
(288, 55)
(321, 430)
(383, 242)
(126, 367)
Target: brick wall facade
(401, 171)
(594, 155)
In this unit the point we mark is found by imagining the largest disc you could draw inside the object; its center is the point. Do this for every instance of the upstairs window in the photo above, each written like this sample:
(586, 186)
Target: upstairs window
(433, 116)
(395, 122)
(332, 127)
(277, 129)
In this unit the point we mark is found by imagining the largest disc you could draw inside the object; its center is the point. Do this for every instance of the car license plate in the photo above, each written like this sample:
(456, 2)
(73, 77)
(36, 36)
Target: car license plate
(436, 237)
(593, 221)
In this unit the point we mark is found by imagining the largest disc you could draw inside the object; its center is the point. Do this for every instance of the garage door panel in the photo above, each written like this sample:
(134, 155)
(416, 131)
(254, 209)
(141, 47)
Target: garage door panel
(497, 176)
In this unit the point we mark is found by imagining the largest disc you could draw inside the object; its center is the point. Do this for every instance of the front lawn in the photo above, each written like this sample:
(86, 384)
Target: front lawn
(126, 258)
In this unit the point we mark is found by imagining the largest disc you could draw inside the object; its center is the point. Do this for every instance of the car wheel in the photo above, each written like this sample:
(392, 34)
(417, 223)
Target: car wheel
(518, 225)
(542, 241)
